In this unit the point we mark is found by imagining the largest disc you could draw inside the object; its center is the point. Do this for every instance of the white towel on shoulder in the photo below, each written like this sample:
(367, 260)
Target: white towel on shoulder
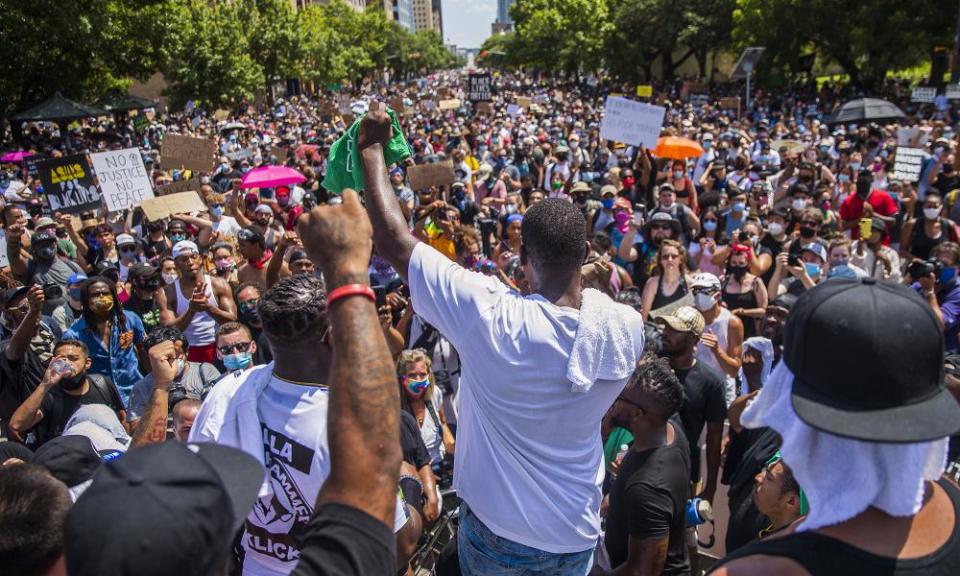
(608, 343)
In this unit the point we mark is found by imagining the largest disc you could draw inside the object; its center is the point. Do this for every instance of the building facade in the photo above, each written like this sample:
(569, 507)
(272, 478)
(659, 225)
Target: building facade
(427, 15)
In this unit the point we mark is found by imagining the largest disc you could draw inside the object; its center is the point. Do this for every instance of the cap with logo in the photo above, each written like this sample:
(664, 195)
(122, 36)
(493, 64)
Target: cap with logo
(125, 239)
(815, 248)
(867, 359)
(706, 281)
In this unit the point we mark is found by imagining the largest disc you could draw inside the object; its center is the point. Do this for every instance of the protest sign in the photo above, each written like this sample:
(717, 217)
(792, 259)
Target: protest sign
(924, 94)
(31, 164)
(180, 203)
(122, 177)
(427, 175)
(631, 122)
(220, 114)
(524, 102)
(908, 164)
(449, 104)
(279, 152)
(645, 91)
(485, 107)
(444, 94)
(513, 110)
(245, 154)
(699, 100)
(68, 184)
(731, 103)
(140, 122)
(480, 88)
(911, 137)
(187, 152)
(178, 186)
(4, 261)
(953, 92)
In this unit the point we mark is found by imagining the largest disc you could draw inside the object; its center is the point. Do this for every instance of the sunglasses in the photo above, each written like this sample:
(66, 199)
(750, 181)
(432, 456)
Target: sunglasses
(128, 249)
(659, 226)
(227, 349)
(809, 223)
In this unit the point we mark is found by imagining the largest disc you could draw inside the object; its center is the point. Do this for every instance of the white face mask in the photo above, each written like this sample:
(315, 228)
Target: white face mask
(169, 277)
(799, 204)
(510, 208)
(703, 302)
(931, 213)
(776, 228)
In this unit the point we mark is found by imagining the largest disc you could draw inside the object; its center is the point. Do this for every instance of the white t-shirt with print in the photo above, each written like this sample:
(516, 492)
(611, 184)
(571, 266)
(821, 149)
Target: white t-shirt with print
(293, 423)
(529, 455)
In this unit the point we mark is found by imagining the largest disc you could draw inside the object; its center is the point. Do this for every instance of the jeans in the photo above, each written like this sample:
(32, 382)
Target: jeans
(483, 553)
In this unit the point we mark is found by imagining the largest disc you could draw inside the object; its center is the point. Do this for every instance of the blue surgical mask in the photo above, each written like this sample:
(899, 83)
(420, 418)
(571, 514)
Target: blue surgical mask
(947, 274)
(855, 166)
(739, 206)
(216, 211)
(707, 144)
(813, 270)
(75, 294)
(709, 225)
(608, 203)
(238, 361)
(843, 177)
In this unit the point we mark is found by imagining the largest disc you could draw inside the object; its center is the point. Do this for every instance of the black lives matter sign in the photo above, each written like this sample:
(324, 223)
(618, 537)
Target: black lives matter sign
(480, 88)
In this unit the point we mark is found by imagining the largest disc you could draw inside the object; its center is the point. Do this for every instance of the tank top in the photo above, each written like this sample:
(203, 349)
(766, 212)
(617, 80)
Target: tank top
(746, 300)
(719, 329)
(822, 555)
(661, 299)
(922, 244)
(203, 328)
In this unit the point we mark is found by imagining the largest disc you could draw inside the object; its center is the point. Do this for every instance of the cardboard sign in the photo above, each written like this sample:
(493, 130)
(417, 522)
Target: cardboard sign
(444, 94)
(524, 102)
(122, 177)
(220, 115)
(485, 107)
(645, 91)
(178, 186)
(279, 153)
(908, 164)
(953, 92)
(68, 184)
(427, 175)
(162, 206)
(631, 122)
(730, 103)
(449, 104)
(245, 154)
(924, 94)
(191, 153)
(480, 88)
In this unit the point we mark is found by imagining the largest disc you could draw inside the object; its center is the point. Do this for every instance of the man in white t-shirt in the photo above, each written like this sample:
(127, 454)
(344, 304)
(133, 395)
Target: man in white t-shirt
(539, 373)
(278, 414)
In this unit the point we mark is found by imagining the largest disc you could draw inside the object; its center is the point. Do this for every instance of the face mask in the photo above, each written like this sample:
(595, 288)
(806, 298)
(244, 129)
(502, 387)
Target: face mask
(469, 261)
(149, 285)
(703, 302)
(46, 253)
(283, 201)
(574, 145)
(629, 182)
(169, 277)
(177, 238)
(416, 387)
(813, 270)
(737, 272)
(844, 177)
(216, 211)
(622, 219)
(931, 213)
(224, 264)
(510, 208)
(249, 313)
(739, 206)
(101, 304)
(607, 203)
(707, 144)
(947, 274)
(776, 228)
(855, 166)
(74, 294)
(807, 232)
(556, 185)
(709, 225)
(73, 382)
(677, 174)
(799, 204)
(238, 361)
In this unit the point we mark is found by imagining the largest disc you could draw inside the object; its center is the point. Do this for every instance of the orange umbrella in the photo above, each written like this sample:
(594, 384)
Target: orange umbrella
(677, 148)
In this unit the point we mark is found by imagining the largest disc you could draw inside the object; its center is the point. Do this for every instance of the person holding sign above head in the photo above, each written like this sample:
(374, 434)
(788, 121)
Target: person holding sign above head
(196, 303)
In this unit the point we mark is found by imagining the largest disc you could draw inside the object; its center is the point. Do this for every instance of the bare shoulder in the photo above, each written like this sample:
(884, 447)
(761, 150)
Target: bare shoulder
(760, 565)
(220, 285)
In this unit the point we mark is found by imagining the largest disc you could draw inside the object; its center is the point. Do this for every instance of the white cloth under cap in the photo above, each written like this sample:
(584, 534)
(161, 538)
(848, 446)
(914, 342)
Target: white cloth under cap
(841, 476)
(765, 347)
(607, 341)
(183, 248)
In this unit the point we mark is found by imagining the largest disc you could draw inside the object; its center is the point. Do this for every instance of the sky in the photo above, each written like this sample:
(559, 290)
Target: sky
(466, 23)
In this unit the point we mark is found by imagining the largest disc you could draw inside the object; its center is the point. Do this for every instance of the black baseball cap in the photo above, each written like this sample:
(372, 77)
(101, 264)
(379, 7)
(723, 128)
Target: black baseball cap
(867, 358)
(162, 509)
(142, 271)
(70, 459)
(11, 294)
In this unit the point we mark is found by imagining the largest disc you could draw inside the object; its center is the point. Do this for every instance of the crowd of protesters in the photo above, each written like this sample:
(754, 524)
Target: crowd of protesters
(587, 341)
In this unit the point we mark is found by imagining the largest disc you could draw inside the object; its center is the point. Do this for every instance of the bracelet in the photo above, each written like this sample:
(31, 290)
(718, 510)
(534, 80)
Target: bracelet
(348, 290)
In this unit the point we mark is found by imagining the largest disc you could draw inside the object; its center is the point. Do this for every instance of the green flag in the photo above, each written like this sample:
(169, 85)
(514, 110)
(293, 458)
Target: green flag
(343, 165)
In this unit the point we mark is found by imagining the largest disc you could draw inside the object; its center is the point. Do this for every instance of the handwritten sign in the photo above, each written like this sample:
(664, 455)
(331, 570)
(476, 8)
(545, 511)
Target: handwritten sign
(631, 122)
(524, 102)
(449, 104)
(162, 206)
(122, 177)
(427, 175)
(68, 184)
(279, 152)
(190, 153)
(924, 94)
(908, 164)
(485, 107)
(220, 114)
(179, 186)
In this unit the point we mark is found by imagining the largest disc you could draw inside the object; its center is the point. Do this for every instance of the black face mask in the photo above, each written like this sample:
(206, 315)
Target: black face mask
(73, 382)
(807, 232)
(45, 253)
(250, 315)
(737, 272)
(149, 285)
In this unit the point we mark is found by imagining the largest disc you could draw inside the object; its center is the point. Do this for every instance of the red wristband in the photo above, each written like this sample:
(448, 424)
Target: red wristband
(348, 290)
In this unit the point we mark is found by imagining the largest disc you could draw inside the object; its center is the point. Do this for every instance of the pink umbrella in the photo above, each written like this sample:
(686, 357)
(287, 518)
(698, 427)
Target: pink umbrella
(271, 177)
(17, 156)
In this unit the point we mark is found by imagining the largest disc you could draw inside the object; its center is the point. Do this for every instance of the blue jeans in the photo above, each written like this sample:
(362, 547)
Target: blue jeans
(483, 553)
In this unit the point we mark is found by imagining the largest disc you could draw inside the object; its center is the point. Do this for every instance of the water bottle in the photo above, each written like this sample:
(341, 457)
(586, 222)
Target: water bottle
(61, 366)
(699, 511)
(618, 459)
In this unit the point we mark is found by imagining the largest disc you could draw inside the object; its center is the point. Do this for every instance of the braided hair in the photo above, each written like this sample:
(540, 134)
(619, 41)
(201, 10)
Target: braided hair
(294, 310)
(118, 317)
(655, 377)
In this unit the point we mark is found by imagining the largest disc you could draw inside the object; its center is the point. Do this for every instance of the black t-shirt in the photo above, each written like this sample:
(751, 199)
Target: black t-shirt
(411, 442)
(343, 541)
(775, 247)
(264, 354)
(747, 452)
(648, 500)
(946, 184)
(703, 401)
(147, 310)
(58, 406)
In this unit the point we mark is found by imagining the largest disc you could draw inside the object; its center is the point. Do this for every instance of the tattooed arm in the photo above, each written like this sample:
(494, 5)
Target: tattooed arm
(394, 241)
(152, 428)
(363, 418)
